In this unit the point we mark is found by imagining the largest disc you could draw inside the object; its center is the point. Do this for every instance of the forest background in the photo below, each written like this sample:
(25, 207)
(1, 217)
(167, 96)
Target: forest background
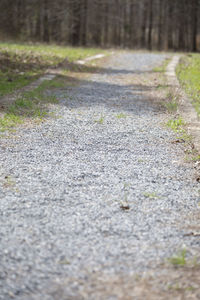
(136, 24)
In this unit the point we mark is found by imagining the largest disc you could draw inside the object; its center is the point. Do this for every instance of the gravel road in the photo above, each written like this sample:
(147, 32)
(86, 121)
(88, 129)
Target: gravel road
(99, 190)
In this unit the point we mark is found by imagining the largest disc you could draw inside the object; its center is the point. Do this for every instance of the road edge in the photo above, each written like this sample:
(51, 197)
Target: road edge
(185, 108)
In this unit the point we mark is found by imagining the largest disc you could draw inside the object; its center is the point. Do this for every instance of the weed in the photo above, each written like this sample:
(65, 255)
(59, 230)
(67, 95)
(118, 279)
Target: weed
(184, 136)
(100, 121)
(196, 158)
(192, 158)
(152, 195)
(171, 106)
(176, 124)
(179, 260)
(121, 116)
(9, 120)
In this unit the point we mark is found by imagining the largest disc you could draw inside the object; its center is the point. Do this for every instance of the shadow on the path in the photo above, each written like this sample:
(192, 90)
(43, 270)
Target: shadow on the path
(103, 91)
(105, 87)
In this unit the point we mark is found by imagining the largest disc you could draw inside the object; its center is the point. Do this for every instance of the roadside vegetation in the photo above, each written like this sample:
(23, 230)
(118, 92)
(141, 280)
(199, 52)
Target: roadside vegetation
(22, 63)
(170, 103)
(188, 72)
(31, 104)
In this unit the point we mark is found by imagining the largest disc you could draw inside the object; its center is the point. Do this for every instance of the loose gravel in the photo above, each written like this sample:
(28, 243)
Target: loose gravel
(99, 190)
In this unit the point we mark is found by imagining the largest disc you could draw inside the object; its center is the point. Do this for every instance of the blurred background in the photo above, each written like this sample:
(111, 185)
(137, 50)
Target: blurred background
(137, 24)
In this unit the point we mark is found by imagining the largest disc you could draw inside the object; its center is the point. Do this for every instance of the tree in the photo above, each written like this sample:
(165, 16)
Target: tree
(151, 24)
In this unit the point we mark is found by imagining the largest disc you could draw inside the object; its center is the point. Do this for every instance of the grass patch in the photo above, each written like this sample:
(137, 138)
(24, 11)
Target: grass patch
(188, 72)
(22, 63)
(9, 121)
(11, 81)
(176, 125)
(32, 104)
(179, 260)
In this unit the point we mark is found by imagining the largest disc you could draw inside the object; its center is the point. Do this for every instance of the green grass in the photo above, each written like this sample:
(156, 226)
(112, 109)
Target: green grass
(10, 82)
(121, 116)
(51, 54)
(9, 121)
(192, 158)
(101, 120)
(32, 104)
(179, 260)
(29, 103)
(22, 63)
(188, 72)
(176, 125)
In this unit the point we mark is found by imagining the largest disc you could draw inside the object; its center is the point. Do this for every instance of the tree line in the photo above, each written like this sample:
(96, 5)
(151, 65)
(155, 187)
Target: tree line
(149, 24)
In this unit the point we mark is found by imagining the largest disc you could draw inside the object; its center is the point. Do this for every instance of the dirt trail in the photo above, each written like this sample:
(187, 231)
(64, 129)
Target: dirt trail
(95, 201)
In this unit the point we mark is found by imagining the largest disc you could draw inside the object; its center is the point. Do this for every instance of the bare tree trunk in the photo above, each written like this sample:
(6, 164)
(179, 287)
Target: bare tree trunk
(160, 25)
(45, 22)
(195, 24)
(150, 24)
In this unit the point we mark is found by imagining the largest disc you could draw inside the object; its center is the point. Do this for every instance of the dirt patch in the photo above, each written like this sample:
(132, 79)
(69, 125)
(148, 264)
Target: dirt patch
(168, 283)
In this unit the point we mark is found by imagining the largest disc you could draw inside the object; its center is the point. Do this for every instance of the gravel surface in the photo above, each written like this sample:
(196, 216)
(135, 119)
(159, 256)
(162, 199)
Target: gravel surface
(99, 189)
